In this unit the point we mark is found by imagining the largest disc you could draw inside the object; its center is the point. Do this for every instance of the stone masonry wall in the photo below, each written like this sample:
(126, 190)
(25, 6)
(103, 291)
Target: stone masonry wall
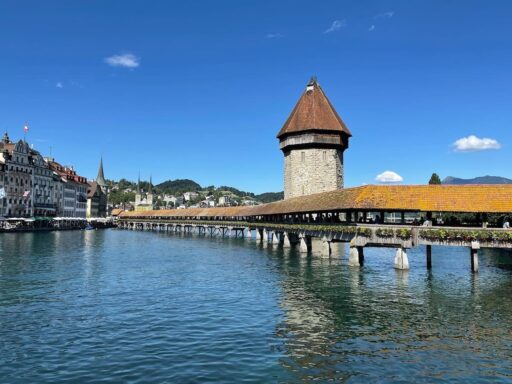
(308, 171)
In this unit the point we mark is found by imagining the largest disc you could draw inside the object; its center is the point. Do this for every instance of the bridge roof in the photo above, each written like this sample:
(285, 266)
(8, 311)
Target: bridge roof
(313, 112)
(193, 212)
(416, 198)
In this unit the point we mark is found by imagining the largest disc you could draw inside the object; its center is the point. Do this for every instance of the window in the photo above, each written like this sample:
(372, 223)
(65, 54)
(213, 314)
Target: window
(324, 155)
(303, 156)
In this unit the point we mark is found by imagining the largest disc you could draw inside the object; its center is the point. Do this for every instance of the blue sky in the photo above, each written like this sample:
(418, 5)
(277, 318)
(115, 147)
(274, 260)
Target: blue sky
(209, 84)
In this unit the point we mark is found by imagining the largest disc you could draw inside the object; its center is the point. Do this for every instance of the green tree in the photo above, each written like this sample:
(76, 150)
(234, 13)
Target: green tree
(434, 179)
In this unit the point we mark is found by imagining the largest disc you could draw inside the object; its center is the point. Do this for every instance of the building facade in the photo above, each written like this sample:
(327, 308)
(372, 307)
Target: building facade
(18, 178)
(74, 201)
(44, 187)
(33, 186)
(97, 195)
(313, 140)
(144, 201)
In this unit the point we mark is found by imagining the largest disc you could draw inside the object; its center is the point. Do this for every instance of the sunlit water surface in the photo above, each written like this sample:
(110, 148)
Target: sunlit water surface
(140, 307)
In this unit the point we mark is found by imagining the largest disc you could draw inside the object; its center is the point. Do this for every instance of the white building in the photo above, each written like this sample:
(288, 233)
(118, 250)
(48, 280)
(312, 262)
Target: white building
(74, 188)
(18, 178)
(190, 195)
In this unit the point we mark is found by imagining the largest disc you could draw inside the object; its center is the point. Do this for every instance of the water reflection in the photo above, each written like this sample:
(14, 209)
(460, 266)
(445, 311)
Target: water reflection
(146, 307)
(374, 322)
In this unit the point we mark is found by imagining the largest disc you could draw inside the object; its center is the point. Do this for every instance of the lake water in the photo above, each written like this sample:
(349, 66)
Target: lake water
(144, 307)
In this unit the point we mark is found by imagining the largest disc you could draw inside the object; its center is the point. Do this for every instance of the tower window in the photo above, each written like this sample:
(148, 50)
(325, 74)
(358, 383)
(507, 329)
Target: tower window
(303, 156)
(324, 154)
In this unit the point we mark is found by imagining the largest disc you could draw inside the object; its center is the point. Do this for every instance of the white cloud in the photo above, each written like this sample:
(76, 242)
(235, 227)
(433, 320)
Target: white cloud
(473, 143)
(389, 177)
(372, 28)
(336, 25)
(385, 15)
(274, 36)
(127, 60)
(59, 85)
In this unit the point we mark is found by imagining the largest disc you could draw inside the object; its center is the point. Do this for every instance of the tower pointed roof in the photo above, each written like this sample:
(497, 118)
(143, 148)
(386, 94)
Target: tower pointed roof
(150, 189)
(138, 185)
(100, 179)
(313, 112)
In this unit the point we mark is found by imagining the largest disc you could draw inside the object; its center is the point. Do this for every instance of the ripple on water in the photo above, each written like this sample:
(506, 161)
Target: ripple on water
(123, 306)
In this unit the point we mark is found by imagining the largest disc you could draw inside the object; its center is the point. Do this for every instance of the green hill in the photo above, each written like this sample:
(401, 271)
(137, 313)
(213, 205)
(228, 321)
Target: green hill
(173, 187)
(269, 197)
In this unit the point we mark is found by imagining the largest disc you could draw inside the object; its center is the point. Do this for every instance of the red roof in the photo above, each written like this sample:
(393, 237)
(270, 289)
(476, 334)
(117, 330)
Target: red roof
(312, 112)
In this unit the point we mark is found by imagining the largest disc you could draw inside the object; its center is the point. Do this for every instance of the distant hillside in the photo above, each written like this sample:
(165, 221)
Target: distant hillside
(124, 190)
(477, 180)
(269, 197)
(178, 186)
(235, 191)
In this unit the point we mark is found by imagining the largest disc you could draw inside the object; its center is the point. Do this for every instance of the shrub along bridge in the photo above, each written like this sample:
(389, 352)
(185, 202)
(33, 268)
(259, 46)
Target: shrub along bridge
(348, 215)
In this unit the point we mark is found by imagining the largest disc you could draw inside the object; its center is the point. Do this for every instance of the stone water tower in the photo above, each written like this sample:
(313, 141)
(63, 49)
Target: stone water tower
(313, 140)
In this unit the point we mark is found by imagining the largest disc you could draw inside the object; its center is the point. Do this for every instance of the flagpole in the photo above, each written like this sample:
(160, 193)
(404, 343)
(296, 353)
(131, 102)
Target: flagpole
(25, 131)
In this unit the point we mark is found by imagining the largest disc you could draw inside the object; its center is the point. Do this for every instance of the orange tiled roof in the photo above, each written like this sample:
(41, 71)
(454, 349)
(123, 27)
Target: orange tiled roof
(117, 211)
(417, 198)
(195, 212)
(313, 111)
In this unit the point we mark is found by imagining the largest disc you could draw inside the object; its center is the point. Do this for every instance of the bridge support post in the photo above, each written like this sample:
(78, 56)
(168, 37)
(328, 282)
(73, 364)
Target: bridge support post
(305, 243)
(247, 234)
(265, 236)
(475, 246)
(353, 257)
(401, 259)
(275, 238)
(429, 257)
(360, 254)
(326, 246)
(258, 234)
(286, 240)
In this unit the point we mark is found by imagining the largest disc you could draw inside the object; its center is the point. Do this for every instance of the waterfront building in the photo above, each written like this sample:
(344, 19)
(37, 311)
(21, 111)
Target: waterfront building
(313, 140)
(31, 185)
(2, 189)
(18, 178)
(58, 192)
(74, 188)
(97, 195)
(144, 201)
(44, 187)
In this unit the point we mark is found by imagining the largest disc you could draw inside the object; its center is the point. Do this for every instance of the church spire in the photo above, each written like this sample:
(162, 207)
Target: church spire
(138, 185)
(150, 189)
(100, 179)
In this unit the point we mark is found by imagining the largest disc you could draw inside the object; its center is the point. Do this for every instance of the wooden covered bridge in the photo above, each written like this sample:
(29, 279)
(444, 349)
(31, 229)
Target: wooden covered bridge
(375, 215)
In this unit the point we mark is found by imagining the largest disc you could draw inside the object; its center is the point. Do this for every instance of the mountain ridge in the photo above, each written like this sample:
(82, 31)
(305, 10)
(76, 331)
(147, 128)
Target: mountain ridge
(451, 180)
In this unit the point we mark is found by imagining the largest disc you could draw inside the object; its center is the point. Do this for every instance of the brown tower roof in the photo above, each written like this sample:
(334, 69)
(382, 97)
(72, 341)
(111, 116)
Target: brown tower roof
(313, 111)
